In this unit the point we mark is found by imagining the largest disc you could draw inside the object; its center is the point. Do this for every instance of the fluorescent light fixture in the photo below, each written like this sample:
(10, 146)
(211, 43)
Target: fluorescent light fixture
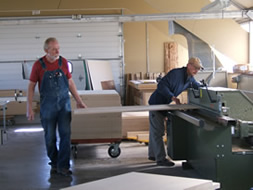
(29, 130)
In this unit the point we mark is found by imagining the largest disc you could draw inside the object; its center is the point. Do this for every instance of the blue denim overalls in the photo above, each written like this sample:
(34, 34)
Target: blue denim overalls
(55, 110)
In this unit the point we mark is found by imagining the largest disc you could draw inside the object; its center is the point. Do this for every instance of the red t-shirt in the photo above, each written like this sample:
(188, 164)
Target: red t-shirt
(38, 72)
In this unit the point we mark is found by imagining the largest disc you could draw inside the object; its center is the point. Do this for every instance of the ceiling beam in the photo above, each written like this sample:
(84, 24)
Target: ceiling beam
(144, 17)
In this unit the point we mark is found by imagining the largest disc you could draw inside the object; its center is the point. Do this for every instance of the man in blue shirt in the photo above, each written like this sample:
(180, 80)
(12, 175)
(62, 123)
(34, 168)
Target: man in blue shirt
(170, 86)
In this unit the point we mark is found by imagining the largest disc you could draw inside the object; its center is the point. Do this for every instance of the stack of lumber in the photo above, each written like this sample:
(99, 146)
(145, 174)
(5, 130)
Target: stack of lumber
(140, 136)
(134, 122)
(97, 126)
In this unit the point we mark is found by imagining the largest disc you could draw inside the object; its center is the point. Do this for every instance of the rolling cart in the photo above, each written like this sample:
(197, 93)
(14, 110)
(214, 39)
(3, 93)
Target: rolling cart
(113, 150)
(97, 128)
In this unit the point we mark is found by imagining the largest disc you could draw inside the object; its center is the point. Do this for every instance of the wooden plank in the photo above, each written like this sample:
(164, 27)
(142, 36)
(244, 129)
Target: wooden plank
(116, 109)
(170, 56)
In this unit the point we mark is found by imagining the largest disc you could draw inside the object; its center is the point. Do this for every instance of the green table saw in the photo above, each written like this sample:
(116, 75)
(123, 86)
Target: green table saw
(217, 139)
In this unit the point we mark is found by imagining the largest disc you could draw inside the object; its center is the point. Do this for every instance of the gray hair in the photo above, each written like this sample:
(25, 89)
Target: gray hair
(51, 39)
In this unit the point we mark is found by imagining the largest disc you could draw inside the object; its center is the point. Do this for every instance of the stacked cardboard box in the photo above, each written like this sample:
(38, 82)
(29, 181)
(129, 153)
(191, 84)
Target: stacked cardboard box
(97, 126)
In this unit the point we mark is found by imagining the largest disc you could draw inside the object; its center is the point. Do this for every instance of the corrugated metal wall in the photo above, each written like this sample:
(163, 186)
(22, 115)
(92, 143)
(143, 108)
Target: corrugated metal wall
(22, 40)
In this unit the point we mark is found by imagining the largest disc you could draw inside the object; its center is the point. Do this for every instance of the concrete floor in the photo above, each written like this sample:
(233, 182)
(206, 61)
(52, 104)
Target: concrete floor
(24, 164)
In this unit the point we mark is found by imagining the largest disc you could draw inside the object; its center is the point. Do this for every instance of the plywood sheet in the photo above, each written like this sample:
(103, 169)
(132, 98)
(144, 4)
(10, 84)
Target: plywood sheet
(99, 71)
(97, 126)
(98, 98)
(147, 182)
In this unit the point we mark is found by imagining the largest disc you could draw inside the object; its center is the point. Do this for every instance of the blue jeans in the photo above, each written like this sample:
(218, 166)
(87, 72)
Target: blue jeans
(156, 147)
(57, 114)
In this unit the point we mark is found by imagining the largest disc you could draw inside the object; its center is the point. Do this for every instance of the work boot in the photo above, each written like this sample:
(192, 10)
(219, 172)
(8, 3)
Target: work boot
(165, 163)
(151, 158)
(65, 172)
(53, 168)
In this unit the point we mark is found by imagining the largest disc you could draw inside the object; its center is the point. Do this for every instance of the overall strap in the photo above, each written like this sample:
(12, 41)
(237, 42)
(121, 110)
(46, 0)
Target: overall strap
(42, 63)
(60, 62)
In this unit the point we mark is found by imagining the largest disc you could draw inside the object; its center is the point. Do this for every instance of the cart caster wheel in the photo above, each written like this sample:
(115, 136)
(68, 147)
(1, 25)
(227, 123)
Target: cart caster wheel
(114, 151)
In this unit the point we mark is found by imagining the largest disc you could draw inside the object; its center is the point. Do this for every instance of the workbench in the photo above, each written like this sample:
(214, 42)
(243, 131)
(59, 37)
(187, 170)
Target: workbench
(140, 91)
(4, 101)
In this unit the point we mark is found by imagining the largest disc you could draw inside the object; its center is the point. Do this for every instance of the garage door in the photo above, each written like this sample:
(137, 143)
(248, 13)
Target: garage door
(21, 41)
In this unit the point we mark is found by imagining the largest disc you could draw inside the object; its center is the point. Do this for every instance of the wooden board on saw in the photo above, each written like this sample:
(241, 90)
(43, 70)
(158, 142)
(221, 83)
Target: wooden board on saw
(97, 126)
(118, 109)
(134, 121)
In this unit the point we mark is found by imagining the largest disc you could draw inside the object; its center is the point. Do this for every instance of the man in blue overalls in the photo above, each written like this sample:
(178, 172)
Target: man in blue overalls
(169, 87)
(55, 81)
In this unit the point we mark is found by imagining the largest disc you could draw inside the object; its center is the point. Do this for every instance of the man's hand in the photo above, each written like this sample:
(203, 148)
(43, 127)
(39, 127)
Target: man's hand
(81, 105)
(30, 115)
(176, 100)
